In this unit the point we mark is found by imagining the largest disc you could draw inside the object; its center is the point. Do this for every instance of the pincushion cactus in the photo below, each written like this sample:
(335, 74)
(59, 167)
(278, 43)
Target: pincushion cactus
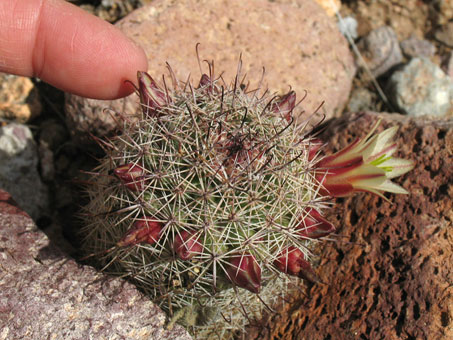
(210, 199)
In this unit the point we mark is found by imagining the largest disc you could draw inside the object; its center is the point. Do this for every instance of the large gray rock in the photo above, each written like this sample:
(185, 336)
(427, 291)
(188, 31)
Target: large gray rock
(296, 42)
(44, 294)
(19, 169)
(421, 88)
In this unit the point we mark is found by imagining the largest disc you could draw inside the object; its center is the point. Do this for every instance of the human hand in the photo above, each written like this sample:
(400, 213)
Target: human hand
(68, 48)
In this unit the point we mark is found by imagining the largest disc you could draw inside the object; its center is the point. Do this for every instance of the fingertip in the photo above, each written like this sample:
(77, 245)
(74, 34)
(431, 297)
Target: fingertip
(68, 48)
(82, 54)
(128, 81)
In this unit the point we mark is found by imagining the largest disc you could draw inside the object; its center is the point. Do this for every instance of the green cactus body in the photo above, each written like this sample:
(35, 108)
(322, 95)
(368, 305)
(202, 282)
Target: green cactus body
(200, 196)
(226, 166)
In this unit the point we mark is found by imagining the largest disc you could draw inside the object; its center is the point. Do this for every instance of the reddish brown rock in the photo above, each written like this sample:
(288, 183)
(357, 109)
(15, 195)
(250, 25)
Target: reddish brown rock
(390, 272)
(295, 41)
(44, 294)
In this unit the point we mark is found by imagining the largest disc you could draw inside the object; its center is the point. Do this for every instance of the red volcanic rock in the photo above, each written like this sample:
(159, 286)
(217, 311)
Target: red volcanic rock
(390, 272)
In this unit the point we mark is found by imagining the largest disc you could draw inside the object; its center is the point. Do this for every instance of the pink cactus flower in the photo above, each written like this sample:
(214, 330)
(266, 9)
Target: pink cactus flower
(245, 272)
(365, 165)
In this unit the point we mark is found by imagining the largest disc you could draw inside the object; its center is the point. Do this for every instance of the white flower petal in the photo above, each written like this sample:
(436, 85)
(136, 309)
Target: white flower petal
(397, 166)
(385, 137)
(367, 170)
(389, 186)
(368, 183)
(369, 148)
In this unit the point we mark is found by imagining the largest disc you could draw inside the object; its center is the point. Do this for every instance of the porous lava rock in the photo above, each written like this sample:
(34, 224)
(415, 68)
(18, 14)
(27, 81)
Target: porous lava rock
(389, 273)
(299, 46)
(44, 294)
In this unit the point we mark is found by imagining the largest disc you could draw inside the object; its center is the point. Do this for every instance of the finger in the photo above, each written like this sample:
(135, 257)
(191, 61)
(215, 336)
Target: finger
(68, 48)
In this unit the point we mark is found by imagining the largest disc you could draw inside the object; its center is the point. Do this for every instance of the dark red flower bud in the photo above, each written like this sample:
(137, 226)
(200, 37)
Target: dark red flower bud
(128, 172)
(205, 81)
(292, 262)
(132, 176)
(284, 105)
(144, 230)
(186, 245)
(244, 271)
(151, 96)
(314, 226)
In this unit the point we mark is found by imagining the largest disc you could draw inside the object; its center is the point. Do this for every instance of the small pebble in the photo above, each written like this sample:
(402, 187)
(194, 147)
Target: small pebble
(381, 50)
(19, 99)
(330, 6)
(348, 25)
(414, 47)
